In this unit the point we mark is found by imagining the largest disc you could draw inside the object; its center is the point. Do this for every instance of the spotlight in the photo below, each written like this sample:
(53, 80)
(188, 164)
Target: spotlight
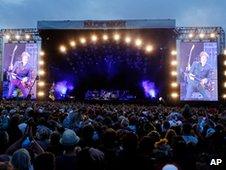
(94, 38)
(138, 42)
(174, 62)
(173, 52)
(41, 83)
(127, 40)
(41, 62)
(149, 48)
(63, 49)
(116, 36)
(105, 37)
(224, 84)
(225, 52)
(41, 72)
(190, 35)
(72, 43)
(41, 94)
(174, 95)
(42, 53)
(160, 99)
(173, 73)
(7, 36)
(225, 62)
(201, 35)
(225, 73)
(174, 84)
(224, 96)
(82, 40)
(212, 35)
(27, 36)
(17, 37)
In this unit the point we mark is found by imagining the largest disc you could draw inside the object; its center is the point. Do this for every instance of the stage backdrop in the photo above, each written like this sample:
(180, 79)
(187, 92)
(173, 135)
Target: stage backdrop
(12, 54)
(192, 73)
(109, 65)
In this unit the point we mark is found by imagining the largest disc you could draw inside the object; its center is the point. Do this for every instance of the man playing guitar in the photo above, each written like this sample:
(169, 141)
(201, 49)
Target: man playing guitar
(199, 77)
(20, 75)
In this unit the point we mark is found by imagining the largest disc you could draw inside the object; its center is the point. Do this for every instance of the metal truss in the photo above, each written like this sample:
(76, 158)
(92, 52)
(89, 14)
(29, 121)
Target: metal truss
(33, 32)
(192, 34)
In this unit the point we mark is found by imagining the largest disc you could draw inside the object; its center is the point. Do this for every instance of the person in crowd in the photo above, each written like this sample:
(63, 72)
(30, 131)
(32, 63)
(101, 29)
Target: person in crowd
(44, 161)
(76, 135)
(67, 161)
(21, 160)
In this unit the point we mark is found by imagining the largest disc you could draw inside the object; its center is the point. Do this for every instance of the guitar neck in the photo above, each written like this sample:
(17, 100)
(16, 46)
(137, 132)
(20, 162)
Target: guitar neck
(190, 53)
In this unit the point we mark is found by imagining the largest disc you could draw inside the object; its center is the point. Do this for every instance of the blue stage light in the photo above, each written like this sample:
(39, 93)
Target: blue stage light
(149, 89)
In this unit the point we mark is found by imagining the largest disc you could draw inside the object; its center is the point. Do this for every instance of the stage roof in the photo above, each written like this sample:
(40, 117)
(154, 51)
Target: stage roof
(107, 24)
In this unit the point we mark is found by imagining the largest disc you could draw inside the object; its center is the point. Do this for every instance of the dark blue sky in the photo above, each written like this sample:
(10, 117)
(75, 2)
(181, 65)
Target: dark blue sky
(26, 13)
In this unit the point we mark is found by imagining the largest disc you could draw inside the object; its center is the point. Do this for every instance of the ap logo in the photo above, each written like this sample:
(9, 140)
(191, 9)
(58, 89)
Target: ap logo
(215, 161)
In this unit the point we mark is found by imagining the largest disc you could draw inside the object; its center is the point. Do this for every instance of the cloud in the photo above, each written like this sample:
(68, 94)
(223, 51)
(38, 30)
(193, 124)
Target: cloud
(26, 13)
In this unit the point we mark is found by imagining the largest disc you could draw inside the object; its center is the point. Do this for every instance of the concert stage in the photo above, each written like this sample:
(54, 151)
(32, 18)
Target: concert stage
(115, 60)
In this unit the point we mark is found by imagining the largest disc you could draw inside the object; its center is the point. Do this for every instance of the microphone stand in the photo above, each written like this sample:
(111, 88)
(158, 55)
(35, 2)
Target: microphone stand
(29, 93)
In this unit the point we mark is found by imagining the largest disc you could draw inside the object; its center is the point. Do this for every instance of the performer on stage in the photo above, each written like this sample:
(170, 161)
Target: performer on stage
(52, 92)
(199, 76)
(20, 76)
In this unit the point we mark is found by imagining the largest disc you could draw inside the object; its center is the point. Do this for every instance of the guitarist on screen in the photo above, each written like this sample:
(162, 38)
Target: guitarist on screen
(20, 75)
(199, 77)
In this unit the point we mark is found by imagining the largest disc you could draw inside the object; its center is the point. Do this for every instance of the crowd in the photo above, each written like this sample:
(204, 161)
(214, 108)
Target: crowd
(72, 136)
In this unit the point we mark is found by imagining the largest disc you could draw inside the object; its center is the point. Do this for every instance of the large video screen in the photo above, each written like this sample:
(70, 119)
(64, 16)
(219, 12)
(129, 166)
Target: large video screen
(198, 71)
(20, 70)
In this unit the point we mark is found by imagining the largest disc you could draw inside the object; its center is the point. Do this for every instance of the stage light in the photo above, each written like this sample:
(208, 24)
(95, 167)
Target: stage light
(190, 35)
(225, 73)
(174, 95)
(224, 84)
(225, 52)
(94, 38)
(116, 37)
(174, 84)
(105, 37)
(174, 62)
(212, 35)
(41, 83)
(149, 89)
(138, 42)
(63, 49)
(42, 53)
(41, 94)
(41, 62)
(225, 62)
(17, 37)
(127, 40)
(149, 48)
(27, 36)
(72, 43)
(161, 99)
(41, 72)
(224, 96)
(7, 36)
(174, 52)
(82, 40)
(201, 35)
(174, 73)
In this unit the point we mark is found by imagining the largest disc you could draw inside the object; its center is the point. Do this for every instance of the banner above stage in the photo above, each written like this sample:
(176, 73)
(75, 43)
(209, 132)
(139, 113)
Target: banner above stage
(107, 24)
